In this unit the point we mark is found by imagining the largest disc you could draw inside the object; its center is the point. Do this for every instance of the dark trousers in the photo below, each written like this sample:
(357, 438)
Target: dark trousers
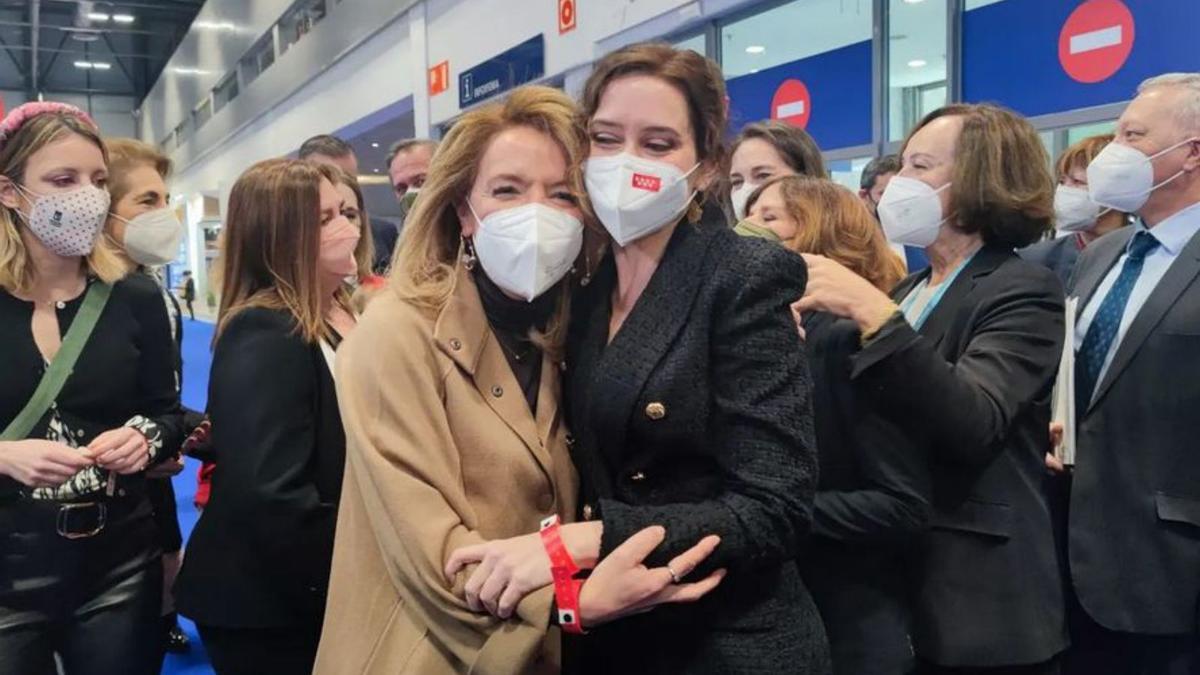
(94, 601)
(254, 651)
(1050, 667)
(1096, 650)
(191, 310)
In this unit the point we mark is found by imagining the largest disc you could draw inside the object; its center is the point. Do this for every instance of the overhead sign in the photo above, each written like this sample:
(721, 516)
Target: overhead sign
(439, 78)
(566, 16)
(524, 63)
(1039, 57)
(792, 103)
(828, 95)
(1096, 40)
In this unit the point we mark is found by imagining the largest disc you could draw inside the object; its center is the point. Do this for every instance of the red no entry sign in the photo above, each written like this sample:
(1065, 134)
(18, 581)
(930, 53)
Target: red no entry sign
(1096, 40)
(792, 103)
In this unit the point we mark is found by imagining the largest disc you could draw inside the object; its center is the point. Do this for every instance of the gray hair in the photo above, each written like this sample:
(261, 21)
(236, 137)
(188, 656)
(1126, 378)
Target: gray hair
(1188, 114)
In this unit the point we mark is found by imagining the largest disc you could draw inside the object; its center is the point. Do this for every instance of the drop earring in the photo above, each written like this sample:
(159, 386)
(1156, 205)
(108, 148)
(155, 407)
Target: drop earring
(468, 256)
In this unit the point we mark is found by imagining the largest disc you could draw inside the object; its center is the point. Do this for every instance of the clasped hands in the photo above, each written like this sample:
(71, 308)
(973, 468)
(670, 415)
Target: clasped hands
(620, 585)
(40, 463)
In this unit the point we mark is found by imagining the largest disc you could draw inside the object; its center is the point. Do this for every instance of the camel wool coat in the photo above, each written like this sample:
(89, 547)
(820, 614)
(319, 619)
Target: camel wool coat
(442, 452)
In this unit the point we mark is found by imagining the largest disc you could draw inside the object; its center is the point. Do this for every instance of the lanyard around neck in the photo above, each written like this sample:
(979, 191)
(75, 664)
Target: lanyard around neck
(937, 295)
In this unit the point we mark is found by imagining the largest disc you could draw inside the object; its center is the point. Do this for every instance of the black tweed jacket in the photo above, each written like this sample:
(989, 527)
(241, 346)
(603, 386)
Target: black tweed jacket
(697, 417)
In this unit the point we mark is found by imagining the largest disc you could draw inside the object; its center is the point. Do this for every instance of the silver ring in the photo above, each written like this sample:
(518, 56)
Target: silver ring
(674, 577)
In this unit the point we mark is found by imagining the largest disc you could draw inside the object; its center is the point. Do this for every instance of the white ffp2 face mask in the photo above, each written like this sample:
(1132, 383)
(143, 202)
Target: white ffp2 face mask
(636, 197)
(1121, 177)
(1074, 210)
(911, 212)
(739, 196)
(527, 249)
(152, 238)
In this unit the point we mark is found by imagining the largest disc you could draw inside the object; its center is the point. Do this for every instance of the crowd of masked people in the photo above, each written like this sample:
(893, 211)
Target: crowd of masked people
(628, 396)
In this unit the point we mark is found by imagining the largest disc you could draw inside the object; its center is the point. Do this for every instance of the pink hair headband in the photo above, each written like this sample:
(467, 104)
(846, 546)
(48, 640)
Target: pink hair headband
(27, 111)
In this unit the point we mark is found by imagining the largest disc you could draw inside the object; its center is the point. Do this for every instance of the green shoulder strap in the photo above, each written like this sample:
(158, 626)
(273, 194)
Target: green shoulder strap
(62, 365)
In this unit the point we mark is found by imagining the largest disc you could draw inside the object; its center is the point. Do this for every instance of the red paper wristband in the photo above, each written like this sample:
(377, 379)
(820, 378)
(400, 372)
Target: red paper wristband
(563, 569)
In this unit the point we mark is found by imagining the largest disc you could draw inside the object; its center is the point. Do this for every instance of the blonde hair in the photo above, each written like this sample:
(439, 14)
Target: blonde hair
(833, 222)
(423, 266)
(17, 273)
(126, 154)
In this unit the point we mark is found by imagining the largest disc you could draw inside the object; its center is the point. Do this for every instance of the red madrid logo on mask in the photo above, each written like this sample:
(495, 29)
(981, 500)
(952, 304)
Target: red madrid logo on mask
(646, 182)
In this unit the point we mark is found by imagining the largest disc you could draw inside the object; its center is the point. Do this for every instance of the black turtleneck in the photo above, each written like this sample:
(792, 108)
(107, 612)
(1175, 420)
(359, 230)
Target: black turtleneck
(512, 321)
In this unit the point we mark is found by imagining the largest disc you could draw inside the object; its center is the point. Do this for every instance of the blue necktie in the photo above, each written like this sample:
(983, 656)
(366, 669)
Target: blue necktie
(1089, 361)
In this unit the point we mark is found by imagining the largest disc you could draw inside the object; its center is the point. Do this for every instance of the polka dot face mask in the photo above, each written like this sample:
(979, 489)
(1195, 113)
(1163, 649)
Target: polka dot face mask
(68, 223)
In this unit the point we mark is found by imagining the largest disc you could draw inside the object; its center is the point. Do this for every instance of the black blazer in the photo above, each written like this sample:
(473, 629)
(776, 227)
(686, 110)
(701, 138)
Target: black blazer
(1059, 254)
(260, 555)
(872, 501)
(973, 387)
(697, 417)
(1134, 527)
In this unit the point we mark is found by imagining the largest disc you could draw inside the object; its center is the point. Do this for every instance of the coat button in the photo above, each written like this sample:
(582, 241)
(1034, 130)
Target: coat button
(656, 411)
(637, 476)
(497, 391)
(588, 512)
(455, 344)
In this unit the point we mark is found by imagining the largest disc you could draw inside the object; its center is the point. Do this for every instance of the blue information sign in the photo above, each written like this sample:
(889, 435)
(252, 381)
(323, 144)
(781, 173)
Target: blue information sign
(829, 95)
(524, 63)
(1047, 56)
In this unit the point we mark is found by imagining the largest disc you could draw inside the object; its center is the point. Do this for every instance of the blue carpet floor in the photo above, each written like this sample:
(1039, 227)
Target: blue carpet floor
(197, 337)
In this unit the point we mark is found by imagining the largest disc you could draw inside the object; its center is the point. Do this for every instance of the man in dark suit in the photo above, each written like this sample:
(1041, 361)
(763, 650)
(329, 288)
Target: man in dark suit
(1134, 522)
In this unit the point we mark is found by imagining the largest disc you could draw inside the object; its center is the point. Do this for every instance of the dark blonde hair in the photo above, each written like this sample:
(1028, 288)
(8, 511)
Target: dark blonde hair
(793, 144)
(424, 264)
(125, 154)
(271, 243)
(17, 273)
(364, 252)
(1081, 154)
(833, 222)
(699, 79)
(1001, 182)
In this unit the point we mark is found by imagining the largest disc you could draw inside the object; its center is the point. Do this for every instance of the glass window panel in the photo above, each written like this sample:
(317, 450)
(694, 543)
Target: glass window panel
(203, 113)
(793, 31)
(696, 43)
(1076, 134)
(916, 62)
(976, 4)
(848, 172)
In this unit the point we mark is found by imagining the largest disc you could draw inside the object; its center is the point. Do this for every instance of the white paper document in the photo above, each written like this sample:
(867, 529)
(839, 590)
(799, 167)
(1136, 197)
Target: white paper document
(1063, 405)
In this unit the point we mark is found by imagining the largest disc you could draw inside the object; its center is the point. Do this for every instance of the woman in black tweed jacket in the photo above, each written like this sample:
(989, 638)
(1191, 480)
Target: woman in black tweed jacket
(691, 407)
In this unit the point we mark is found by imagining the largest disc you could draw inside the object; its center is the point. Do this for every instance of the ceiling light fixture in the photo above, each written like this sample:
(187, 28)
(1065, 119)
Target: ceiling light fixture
(123, 18)
(100, 65)
(92, 65)
(98, 16)
(917, 63)
(755, 49)
(913, 2)
(374, 145)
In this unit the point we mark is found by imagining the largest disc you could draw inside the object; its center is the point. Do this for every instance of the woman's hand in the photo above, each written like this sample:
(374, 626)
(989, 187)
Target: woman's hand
(510, 569)
(1056, 438)
(621, 585)
(833, 288)
(124, 450)
(39, 463)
